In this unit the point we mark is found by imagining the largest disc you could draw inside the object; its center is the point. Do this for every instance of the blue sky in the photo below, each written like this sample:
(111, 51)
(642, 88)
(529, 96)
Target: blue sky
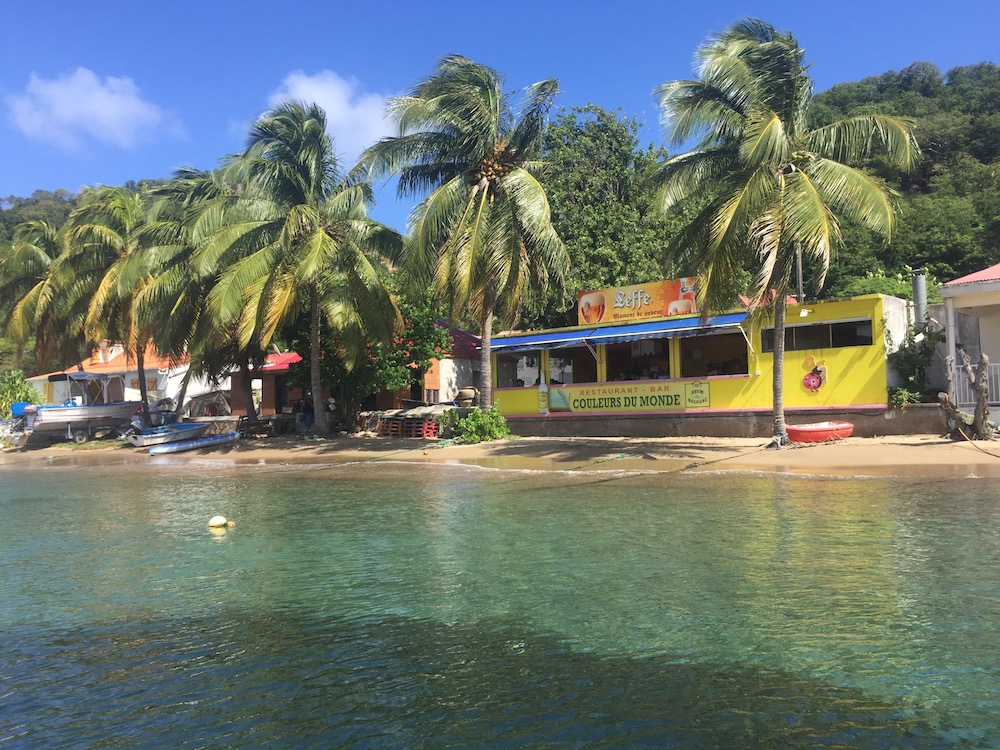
(109, 91)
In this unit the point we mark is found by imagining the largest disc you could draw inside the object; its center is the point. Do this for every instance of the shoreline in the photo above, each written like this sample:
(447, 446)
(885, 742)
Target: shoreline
(890, 456)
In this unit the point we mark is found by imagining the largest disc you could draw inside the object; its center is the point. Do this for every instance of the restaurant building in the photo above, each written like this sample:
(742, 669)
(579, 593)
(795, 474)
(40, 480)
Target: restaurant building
(641, 361)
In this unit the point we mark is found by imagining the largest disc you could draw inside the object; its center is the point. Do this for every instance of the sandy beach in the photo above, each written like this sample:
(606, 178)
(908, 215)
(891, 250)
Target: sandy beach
(908, 456)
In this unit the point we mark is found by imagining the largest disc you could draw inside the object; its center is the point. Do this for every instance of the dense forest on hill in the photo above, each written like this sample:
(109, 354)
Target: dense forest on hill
(949, 217)
(949, 221)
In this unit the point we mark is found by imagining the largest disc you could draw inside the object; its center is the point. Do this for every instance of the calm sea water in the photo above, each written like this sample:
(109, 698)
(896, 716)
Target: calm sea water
(390, 605)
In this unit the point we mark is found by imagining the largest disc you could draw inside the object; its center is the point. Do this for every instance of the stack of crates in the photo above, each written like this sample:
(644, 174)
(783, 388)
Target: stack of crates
(410, 428)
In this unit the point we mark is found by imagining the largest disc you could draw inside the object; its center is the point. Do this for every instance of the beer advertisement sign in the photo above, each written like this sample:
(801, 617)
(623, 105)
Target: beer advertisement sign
(657, 299)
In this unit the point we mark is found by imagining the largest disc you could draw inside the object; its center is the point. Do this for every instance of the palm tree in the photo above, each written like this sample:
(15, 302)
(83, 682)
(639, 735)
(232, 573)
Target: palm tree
(300, 235)
(112, 253)
(771, 187)
(27, 293)
(174, 303)
(484, 233)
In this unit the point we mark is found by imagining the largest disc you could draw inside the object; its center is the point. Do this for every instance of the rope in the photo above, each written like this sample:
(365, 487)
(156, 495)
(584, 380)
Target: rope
(439, 444)
(973, 442)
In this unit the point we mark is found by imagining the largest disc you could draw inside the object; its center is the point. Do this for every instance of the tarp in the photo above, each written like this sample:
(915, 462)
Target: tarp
(658, 329)
(77, 376)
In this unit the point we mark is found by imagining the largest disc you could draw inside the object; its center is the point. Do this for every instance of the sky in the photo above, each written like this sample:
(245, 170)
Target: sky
(108, 91)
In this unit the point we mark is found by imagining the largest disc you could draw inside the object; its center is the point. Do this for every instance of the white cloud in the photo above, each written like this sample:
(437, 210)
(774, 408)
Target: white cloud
(79, 106)
(355, 119)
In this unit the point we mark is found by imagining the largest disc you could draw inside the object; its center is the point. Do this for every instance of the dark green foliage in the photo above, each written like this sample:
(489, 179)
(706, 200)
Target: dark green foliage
(949, 220)
(53, 208)
(915, 354)
(593, 180)
(387, 366)
(477, 426)
(14, 388)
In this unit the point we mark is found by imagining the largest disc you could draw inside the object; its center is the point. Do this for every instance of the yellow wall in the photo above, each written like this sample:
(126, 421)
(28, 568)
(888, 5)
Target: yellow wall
(854, 376)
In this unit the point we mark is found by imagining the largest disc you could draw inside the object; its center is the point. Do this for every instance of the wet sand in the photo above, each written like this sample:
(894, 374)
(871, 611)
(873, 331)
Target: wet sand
(909, 456)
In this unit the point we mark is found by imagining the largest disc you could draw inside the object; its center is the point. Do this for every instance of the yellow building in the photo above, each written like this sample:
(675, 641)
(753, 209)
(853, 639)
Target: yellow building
(643, 352)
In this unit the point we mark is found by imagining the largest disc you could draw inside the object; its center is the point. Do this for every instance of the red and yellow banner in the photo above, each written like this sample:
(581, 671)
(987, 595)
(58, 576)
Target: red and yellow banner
(657, 299)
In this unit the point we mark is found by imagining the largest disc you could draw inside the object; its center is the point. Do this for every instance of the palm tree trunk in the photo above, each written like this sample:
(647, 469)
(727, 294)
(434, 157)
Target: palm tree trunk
(320, 421)
(182, 393)
(140, 360)
(486, 362)
(777, 385)
(247, 386)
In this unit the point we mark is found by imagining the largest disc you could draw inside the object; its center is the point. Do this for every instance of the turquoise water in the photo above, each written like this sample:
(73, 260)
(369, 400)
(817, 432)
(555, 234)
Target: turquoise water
(396, 605)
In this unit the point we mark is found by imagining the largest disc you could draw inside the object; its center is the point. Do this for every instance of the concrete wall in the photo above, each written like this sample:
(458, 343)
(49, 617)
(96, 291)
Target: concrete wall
(917, 419)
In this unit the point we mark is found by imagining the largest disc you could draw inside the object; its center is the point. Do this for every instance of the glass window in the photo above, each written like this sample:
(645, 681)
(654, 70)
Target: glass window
(856, 333)
(715, 354)
(821, 336)
(810, 337)
(638, 360)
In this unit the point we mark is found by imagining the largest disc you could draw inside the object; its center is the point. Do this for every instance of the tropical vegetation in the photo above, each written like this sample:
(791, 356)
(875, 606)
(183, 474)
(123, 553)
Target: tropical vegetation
(514, 216)
(484, 235)
(774, 189)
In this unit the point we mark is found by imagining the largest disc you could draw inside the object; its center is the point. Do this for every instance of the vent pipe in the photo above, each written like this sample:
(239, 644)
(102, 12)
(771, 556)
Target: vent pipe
(919, 297)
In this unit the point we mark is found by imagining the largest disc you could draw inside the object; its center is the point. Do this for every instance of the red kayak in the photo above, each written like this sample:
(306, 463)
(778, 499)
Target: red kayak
(819, 432)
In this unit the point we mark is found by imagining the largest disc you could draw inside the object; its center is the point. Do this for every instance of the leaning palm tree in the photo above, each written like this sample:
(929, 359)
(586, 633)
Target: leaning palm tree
(27, 294)
(300, 235)
(112, 253)
(771, 187)
(484, 233)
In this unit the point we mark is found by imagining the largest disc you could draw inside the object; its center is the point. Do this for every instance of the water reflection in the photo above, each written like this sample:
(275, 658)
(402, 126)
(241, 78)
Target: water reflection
(431, 606)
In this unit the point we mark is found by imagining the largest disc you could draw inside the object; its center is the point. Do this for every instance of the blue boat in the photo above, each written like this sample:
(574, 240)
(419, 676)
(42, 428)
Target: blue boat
(146, 437)
(190, 445)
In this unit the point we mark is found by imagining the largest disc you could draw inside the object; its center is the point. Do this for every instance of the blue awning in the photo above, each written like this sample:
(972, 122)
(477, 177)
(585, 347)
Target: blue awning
(659, 329)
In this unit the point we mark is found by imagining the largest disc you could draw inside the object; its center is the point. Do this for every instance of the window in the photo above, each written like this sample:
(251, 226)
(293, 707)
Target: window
(638, 360)
(822, 336)
(714, 354)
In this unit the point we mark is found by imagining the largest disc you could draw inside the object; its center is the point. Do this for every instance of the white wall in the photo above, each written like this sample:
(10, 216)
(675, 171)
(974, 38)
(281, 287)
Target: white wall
(455, 375)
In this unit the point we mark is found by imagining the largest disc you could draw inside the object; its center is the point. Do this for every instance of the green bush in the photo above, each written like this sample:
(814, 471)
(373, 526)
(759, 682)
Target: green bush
(477, 427)
(14, 388)
(900, 398)
(915, 354)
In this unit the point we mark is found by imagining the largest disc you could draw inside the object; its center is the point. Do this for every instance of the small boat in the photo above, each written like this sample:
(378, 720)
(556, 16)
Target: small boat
(819, 432)
(168, 433)
(87, 410)
(190, 445)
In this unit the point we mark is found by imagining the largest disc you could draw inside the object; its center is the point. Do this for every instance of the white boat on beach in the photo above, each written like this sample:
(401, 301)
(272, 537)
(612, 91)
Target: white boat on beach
(87, 411)
(168, 433)
(189, 445)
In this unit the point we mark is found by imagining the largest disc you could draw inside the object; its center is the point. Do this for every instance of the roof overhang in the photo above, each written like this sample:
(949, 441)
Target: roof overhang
(657, 329)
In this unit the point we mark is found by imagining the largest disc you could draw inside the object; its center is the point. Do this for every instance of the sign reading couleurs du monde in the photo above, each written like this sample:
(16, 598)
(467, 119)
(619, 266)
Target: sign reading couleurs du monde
(625, 396)
(657, 299)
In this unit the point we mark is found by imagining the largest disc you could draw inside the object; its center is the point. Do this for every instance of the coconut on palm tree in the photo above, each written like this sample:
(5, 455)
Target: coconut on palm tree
(483, 236)
(770, 186)
(298, 234)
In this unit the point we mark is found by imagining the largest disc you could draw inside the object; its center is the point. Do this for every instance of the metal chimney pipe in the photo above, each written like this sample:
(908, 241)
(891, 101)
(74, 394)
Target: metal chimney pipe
(919, 297)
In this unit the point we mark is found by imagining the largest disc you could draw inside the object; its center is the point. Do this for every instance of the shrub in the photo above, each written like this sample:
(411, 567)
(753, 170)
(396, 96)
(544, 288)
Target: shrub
(14, 388)
(477, 427)
(900, 398)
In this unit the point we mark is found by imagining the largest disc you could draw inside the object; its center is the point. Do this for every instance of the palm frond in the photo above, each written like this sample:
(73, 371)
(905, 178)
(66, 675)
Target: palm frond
(857, 138)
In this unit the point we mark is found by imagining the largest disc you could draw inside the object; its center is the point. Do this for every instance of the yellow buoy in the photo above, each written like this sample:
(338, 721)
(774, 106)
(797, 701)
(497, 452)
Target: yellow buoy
(216, 522)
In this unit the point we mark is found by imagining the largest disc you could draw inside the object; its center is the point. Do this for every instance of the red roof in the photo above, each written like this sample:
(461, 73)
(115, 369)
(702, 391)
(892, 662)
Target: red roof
(987, 274)
(280, 362)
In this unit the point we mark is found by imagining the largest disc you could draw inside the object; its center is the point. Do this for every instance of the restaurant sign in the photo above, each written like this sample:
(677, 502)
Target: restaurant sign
(657, 299)
(625, 396)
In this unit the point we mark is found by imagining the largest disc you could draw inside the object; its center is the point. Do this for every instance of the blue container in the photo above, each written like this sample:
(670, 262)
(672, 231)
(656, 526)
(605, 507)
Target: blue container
(17, 408)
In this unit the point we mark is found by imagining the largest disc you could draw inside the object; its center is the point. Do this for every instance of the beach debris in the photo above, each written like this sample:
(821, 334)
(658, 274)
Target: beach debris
(220, 522)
